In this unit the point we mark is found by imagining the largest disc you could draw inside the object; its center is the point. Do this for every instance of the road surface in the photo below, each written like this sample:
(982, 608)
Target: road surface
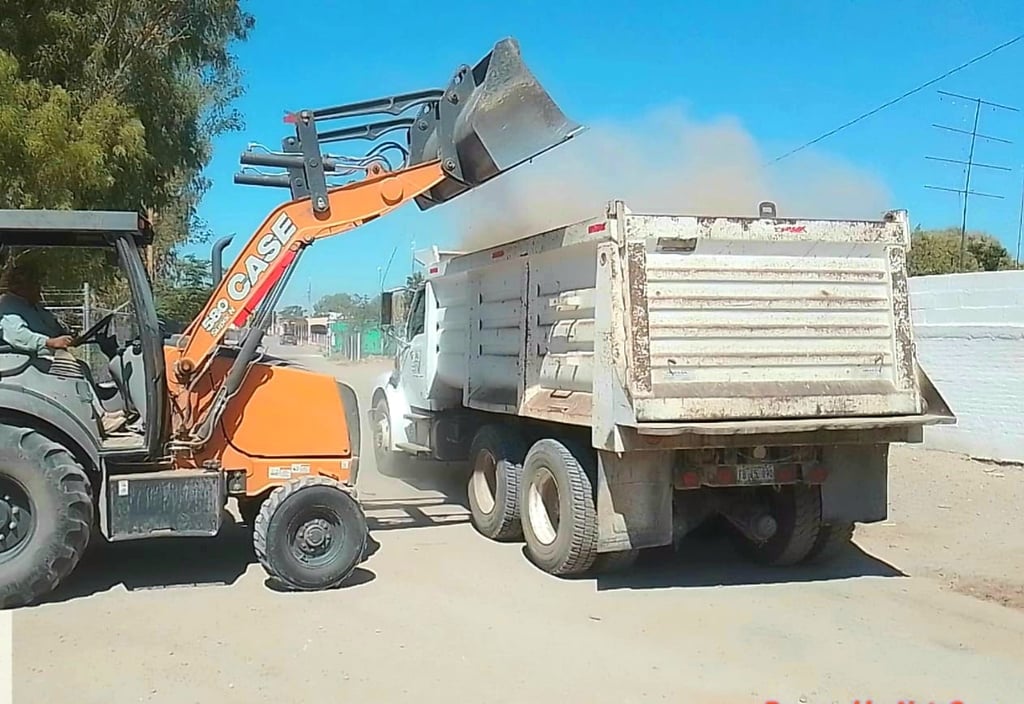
(930, 608)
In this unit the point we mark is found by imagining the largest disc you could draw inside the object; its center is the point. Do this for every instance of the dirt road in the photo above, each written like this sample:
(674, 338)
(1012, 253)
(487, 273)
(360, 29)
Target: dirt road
(931, 608)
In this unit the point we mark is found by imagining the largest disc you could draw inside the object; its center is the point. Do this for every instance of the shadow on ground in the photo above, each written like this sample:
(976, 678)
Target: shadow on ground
(398, 514)
(446, 478)
(713, 561)
(162, 563)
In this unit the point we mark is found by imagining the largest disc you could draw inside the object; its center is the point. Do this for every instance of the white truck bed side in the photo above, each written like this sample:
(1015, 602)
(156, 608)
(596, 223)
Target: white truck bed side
(681, 320)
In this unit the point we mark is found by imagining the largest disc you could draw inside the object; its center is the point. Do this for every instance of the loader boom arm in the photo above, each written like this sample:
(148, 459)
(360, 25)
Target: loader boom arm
(490, 118)
(274, 246)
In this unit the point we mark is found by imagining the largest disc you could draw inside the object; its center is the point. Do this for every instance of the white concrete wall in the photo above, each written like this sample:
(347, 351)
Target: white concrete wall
(969, 330)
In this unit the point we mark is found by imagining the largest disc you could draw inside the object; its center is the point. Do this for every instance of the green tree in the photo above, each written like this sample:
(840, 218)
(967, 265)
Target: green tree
(938, 252)
(335, 303)
(292, 312)
(113, 104)
(413, 282)
(183, 289)
(357, 308)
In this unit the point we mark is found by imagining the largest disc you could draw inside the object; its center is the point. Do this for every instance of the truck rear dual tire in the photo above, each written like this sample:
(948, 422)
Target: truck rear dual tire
(46, 511)
(796, 509)
(559, 515)
(310, 534)
(832, 541)
(617, 561)
(496, 460)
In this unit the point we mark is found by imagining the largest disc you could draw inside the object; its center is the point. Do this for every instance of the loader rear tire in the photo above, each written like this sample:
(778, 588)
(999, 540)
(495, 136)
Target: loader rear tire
(559, 515)
(832, 540)
(46, 511)
(310, 534)
(496, 459)
(796, 509)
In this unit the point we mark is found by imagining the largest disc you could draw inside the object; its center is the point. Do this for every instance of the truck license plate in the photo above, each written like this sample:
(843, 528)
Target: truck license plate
(755, 474)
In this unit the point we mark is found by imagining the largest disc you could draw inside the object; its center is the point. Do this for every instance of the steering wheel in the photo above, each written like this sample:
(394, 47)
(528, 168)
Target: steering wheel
(98, 333)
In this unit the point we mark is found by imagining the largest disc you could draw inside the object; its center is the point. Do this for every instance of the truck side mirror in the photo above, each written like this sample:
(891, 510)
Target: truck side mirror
(387, 308)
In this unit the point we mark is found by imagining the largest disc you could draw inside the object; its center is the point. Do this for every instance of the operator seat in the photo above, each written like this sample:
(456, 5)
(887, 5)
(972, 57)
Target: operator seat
(127, 370)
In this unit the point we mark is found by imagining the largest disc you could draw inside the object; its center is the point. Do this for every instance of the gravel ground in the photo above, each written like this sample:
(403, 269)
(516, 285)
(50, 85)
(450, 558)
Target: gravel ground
(930, 607)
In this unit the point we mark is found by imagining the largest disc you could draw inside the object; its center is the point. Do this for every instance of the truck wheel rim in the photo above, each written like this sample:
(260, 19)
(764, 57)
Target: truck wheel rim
(17, 518)
(485, 480)
(382, 433)
(542, 506)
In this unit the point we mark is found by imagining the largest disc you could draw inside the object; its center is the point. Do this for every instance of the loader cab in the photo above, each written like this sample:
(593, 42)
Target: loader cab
(118, 346)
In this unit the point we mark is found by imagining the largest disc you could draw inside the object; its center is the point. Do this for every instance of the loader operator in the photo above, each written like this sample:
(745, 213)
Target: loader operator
(28, 326)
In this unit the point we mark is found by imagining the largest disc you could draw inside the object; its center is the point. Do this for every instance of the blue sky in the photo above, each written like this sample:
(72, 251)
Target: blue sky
(787, 71)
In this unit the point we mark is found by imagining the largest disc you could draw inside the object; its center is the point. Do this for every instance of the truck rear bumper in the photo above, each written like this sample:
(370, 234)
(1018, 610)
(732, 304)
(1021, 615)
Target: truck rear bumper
(798, 425)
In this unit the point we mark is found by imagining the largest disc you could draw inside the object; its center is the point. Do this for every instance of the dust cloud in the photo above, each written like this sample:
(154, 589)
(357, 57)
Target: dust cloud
(662, 163)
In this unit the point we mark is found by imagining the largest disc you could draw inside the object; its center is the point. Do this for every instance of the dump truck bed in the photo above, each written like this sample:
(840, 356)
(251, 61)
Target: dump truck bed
(664, 320)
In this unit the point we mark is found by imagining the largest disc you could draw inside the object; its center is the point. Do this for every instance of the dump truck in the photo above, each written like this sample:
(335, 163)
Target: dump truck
(213, 420)
(615, 383)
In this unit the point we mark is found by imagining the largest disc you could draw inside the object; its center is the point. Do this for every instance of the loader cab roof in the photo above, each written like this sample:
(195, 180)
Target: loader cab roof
(71, 228)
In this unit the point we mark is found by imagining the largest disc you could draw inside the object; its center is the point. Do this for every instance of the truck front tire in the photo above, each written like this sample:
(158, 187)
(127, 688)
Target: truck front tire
(46, 511)
(559, 515)
(496, 460)
(380, 421)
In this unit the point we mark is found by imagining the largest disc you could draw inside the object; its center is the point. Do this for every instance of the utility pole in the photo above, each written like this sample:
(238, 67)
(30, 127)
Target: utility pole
(1020, 221)
(966, 191)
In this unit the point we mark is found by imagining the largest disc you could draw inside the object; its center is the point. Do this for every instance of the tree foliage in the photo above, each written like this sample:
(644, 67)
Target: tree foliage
(113, 104)
(938, 252)
(359, 309)
(183, 289)
(293, 312)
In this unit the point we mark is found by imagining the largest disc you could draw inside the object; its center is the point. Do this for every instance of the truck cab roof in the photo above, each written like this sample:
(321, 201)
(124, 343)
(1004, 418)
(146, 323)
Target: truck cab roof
(72, 228)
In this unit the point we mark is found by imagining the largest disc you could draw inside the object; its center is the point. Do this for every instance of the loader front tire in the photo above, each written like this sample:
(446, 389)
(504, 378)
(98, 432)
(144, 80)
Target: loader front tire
(310, 534)
(496, 458)
(46, 514)
(559, 515)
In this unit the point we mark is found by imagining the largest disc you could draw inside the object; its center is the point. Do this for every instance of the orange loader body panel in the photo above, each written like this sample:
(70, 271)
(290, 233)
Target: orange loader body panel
(284, 423)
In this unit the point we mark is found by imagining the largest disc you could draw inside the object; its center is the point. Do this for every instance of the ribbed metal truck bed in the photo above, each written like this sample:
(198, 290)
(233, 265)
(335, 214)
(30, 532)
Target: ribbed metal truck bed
(667, 323)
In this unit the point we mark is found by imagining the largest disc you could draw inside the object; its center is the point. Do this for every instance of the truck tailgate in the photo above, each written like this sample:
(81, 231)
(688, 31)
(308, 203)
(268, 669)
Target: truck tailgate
(736, 318)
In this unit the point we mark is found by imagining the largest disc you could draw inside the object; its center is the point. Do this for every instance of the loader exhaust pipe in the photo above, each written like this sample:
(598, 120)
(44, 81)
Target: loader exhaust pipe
(491, 118)
(217, 258)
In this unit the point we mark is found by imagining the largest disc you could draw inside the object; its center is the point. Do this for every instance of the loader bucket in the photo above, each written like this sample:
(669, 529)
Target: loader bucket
(492, 117)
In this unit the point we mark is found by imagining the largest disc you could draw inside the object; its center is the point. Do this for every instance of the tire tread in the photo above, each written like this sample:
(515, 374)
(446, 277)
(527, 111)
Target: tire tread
(64, 473)
(582, 549)
(508, 446)
(271, 505)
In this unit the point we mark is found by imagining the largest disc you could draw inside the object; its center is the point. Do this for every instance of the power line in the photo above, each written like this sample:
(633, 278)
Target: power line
(880, 108)
(1020, 223)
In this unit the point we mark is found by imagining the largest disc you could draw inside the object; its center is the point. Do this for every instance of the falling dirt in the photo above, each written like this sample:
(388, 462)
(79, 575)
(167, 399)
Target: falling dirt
(665, 162)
